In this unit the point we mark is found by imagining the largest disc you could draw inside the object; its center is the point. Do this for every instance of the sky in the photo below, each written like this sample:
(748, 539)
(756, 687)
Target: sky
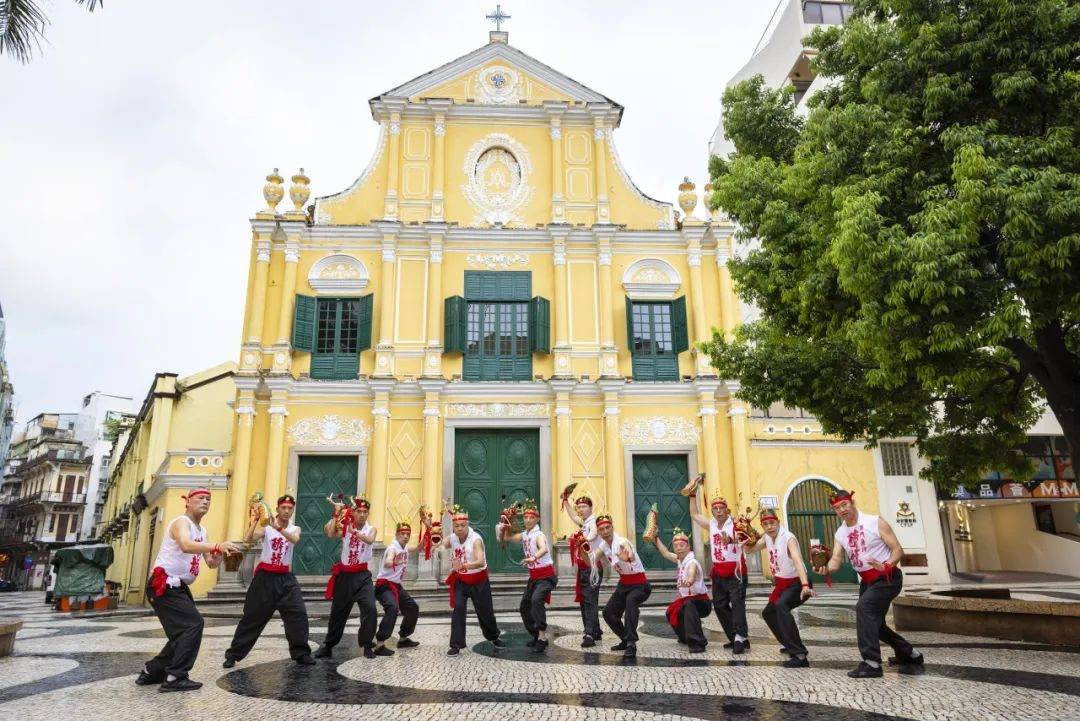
(134, 146)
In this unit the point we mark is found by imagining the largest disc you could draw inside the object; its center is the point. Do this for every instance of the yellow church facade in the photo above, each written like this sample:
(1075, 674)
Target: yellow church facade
(492, 311)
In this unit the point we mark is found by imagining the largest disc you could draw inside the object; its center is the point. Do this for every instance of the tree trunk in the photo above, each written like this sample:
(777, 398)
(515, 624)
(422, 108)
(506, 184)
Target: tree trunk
(1057, 370)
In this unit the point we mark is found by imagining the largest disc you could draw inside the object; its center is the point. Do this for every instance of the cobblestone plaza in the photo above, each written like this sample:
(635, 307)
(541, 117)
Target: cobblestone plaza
(84, 667)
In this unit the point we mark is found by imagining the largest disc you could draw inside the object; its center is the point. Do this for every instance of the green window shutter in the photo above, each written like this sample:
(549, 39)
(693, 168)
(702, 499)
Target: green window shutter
(539, 325)
(363, 331)
(680, 338)
(630, 324)
(303, 332)
(498, 285)
(346, 366)
(454, 329)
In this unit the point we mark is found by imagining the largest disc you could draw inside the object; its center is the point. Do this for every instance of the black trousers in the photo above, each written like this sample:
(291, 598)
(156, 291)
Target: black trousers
(782, 624)
(267, 593)
(533, 609)
(352, 589)
(480, 595)
(729, 602)
(590, 603)
(689, 630)
(874, 601)
(183, 626)
(392, 609)
(621, 610)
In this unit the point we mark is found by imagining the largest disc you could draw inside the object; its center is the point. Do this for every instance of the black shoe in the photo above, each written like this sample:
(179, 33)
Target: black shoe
(145, 679)
(384, 651)
(453, 651)
(731, 644)
(369, 652)
(588, 641)
(739, 647)
(228, 662)
(532, 643)
(785, 652)
(796, 662)
(324, 651)
(407, 643)
(865, 670)
(682, 641)
(630, 652)
(621, 646)
(540, 646)
(899, 660)
(697, 649)
(498, 643)
(306, 660)
(180, 684)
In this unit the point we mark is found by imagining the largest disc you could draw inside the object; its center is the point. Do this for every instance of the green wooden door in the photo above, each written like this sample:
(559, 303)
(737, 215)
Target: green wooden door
(658, 479)
(810, 515)
(493, 469)
(319, 477)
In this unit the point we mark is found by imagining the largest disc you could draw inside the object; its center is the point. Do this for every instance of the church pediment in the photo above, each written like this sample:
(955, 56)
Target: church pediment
(495, 74)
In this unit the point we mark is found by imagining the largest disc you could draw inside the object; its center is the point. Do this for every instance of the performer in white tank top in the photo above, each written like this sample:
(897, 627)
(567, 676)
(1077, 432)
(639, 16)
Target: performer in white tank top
(183, 550)
(351, 582)
(692, 598)
(621, 610)
(874, 552)
(536, 556)
(588, 577)
(729, 572)
(468, 581)
(791, 587)
(391, 594)
(273, 588)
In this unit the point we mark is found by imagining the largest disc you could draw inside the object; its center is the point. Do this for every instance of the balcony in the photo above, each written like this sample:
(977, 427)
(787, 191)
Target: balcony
(48, 497)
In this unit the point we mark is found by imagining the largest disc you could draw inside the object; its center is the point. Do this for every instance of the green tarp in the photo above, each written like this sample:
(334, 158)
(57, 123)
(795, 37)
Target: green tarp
(80, 570)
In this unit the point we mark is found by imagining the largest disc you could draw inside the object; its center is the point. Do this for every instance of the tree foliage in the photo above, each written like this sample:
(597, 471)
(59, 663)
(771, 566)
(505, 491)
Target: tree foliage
(22, 26)
(918, 272)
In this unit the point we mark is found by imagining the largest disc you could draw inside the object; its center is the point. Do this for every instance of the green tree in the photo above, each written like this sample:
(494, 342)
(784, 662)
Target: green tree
(918, 272)
(22, 26)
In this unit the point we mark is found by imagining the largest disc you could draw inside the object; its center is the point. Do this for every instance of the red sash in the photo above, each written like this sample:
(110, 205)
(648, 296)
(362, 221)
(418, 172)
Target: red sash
(780, 584)
(675, 607)
(537, 574)
(159, 581)
(632, 579)
(727, 569)
(395, 589)
(336, 570)
(871, 575)
(469, 579)
(272, 568)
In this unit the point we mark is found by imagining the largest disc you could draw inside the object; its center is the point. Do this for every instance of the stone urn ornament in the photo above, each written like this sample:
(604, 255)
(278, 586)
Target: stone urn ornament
(299, 191)
(273, 191)
(687, 197)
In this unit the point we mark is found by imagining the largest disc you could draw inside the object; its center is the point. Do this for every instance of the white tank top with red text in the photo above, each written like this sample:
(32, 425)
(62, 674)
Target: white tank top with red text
(724, 552)
(612, 553)
(180, 566)
(399, 561)
(698, 586)
(463, 550)
(863, 543)
(353, 548)
(529, 546)
(276, 549)
(780, 561)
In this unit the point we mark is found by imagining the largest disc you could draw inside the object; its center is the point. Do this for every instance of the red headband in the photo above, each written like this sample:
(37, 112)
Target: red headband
(286, 500)
(718, 503)
(583, 499)
(841, 496)
(531, 512)
(195, 493)
(362, 503)
(768, 515)
(603, 521)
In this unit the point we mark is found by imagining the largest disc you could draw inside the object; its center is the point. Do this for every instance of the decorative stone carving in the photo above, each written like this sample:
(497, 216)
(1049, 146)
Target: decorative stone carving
(329, 430)
(496, 261)
(687, 197)
(556, 132)
(497, 85)
(497, 410)
(273, 191)
(659, 430)
(299, 191)
(651, 278)
(339, 274)
(498, 169)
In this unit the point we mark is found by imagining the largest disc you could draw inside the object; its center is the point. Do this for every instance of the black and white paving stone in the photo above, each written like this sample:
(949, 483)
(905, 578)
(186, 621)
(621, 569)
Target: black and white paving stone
(83, 666)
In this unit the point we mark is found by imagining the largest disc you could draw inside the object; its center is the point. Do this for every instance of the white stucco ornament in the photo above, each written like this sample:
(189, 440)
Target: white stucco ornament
(496, 261)
(338, 273)
(497, 410)
(329, 430)
(497, 85)
(497, 168)
(659, 430)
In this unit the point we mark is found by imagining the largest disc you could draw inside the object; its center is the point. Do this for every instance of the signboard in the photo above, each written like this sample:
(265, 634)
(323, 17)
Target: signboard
(769, 501)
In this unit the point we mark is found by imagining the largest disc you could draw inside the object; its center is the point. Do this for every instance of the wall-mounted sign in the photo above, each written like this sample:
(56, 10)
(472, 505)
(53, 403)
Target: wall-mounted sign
(905, 516)
(769, 501)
